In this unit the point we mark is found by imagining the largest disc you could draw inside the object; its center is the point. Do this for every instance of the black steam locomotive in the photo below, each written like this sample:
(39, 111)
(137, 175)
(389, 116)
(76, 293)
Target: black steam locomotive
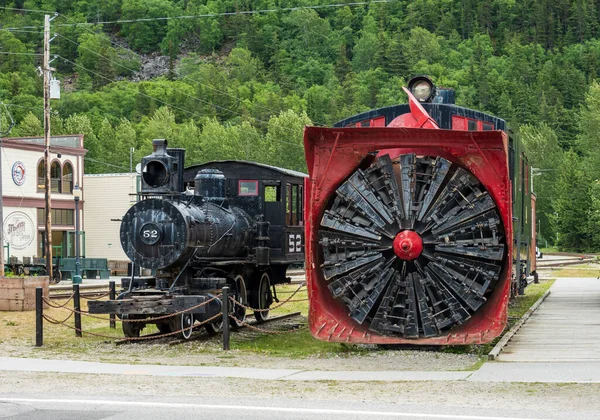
(200, 228)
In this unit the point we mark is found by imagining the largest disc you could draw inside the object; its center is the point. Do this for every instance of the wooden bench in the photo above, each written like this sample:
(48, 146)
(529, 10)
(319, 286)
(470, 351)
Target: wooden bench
(90, 268)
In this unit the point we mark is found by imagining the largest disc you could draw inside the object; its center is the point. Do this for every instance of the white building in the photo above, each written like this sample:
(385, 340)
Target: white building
(107, 198)
(23, 193)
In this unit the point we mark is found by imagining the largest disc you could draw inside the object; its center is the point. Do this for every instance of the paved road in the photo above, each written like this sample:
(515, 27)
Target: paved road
(119, 409)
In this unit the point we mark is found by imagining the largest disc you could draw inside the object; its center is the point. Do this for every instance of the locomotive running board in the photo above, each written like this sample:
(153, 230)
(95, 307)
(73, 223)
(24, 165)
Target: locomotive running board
(333, 154)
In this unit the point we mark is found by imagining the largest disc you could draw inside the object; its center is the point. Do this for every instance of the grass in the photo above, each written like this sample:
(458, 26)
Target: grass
(295, 345)
(521, 304)
(577, 272)
(18, 334)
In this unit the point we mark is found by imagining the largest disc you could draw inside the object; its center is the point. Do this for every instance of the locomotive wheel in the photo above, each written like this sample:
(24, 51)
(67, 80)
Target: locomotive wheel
(241, 296)
(411, 246)
(184, 323)
(164, 327)
(214, 328)
(263, 297)
(132, 329)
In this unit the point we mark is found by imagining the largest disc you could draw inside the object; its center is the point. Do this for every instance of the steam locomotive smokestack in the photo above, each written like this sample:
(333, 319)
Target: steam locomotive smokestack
(159, 145)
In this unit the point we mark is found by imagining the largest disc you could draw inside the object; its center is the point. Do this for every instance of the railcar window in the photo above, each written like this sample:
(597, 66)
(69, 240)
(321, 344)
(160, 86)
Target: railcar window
(246, 187)
(472, 125)
(272, 193)
(488, 126)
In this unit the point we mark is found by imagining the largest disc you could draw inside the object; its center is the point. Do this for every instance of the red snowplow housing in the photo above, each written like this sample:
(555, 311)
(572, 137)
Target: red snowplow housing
(334, 154)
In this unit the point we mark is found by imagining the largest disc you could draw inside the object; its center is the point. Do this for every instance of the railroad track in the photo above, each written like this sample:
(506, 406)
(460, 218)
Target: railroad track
(206, 337)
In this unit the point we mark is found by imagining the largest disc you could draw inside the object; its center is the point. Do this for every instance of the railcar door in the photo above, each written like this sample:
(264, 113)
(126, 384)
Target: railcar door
(294, 215)
(273, 212)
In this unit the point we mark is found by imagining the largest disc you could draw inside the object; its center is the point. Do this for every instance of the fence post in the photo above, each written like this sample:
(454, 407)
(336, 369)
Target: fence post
(225, 309)
(77, 307)
(39, 316)
(111, 296)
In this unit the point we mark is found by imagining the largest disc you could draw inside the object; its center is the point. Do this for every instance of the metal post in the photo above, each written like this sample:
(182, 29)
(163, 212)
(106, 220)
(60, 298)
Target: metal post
(225, 308)
(77, 307)
(39, 316)
(112, 295)
(77, 197)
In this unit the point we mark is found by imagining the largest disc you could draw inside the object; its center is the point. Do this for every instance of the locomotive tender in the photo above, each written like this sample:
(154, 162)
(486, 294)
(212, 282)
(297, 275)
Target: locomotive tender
(200, 228)
(420, 223)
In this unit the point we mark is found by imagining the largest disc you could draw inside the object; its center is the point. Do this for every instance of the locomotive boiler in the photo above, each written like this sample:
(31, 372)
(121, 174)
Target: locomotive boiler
(420, 223)
(203, 227)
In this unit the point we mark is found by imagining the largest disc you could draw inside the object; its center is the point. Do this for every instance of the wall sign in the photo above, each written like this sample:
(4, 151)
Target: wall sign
(18, 173)
(19, 230)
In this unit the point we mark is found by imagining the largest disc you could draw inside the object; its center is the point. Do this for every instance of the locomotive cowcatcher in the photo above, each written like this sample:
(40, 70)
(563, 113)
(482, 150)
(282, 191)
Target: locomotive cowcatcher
(420, 223)
(200, 228)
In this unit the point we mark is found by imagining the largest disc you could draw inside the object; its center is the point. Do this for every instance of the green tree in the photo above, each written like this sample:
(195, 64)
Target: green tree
(573, 205)
(285, 140)
(29, 126)
(94, 160)
(589, 126)
(546, 157)
(146, 36)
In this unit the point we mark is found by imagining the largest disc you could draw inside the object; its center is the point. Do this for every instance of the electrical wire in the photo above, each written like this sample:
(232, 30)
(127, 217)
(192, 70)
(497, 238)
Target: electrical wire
(27, 10)
(16, 53)
(237, 13)
(176, 90)
(105, 163)
(139, 93)
(273, 112)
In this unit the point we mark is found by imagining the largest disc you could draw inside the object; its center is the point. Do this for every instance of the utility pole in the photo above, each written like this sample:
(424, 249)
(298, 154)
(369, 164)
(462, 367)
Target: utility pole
(2, 134)
(46, 76)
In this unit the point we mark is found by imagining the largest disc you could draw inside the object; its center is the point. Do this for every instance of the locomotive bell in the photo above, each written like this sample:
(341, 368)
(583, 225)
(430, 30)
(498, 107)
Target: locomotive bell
(160, 170)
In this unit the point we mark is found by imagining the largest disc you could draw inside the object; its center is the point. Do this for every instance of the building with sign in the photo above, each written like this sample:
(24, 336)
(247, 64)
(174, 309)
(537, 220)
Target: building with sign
(23, 189)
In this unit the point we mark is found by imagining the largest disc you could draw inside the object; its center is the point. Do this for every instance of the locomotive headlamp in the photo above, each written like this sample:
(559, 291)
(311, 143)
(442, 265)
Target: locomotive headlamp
(155, 174)
(422, 88)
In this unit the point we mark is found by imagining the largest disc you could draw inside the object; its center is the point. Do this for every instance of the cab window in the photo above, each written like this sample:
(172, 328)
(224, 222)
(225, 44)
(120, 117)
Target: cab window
(246, 187)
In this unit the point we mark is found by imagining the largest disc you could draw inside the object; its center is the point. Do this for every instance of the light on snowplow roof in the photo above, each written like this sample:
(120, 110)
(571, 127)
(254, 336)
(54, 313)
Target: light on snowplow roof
(422, 88)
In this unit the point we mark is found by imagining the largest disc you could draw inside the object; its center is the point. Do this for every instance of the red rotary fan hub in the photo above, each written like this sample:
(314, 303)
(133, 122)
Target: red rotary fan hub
(408, 245)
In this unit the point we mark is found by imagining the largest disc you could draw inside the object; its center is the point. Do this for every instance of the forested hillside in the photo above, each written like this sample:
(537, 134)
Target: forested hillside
(238, 79)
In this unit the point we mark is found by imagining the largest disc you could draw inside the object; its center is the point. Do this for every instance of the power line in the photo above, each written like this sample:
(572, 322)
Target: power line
(183, 78)
(237, 13)
(177, 90)
(16, 53)
(105, 163)
(21, 30)
(28, 10)
(139, 93)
